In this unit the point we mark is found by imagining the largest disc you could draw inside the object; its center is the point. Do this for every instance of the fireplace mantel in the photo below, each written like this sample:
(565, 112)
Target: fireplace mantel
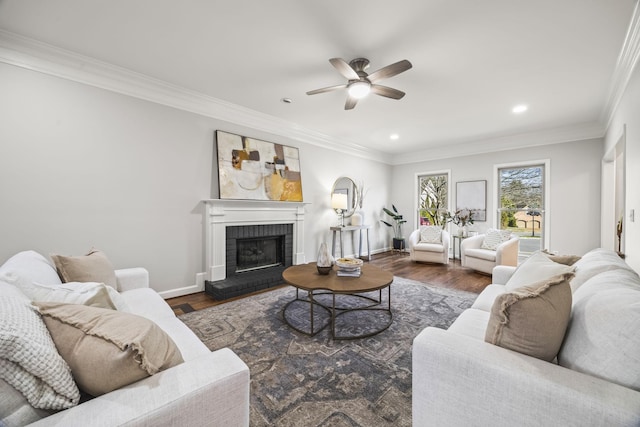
(222, 213)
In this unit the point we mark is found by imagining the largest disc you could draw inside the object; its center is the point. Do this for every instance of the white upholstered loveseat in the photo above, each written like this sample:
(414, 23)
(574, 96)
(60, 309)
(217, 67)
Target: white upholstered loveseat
(461, 380)
(207, 389)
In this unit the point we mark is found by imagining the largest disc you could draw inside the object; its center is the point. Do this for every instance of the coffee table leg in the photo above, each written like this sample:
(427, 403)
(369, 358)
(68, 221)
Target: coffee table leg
(311, 309)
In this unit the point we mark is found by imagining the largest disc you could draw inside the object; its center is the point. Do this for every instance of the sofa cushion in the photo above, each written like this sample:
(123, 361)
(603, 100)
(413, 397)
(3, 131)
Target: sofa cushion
(486, 298)
(532, 319)
(431, 234)
(26, 267)
(595, 262)
(108, 349)
(602, 338)
(15, 409)
(493, 238)
(29, 361)
(471, 323)
(537, 267)
(92, 267)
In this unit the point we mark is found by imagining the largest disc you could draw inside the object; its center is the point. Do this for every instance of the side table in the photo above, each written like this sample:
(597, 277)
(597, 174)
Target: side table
(459, 239)
(352, 229)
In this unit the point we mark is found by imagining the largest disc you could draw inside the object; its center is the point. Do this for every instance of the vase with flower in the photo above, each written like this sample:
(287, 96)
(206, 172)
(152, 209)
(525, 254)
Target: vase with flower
(461, 218)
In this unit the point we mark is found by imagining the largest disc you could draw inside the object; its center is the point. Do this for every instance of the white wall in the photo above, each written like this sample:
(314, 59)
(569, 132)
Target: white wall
(83, 167)
(628, 113)
(574, 222)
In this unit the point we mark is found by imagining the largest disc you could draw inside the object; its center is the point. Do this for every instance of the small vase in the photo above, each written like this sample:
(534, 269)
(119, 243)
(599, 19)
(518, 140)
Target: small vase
(465, 231)
(356, 218)
(324, 260)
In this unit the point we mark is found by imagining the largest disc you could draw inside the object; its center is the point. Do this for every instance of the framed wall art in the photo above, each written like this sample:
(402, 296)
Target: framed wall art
(472, 196)
(252, 169)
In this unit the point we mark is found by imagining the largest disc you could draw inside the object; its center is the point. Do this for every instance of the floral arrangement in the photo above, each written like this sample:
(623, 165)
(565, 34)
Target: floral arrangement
(461, 217)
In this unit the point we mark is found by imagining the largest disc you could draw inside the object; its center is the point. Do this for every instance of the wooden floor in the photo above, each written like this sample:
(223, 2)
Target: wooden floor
(448, 276)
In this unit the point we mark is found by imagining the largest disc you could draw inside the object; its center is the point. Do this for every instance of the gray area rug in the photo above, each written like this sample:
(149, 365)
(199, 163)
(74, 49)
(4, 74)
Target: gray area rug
(298, 380)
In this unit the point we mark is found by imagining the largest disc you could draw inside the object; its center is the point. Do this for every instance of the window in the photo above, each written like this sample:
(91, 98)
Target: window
(433, 198)
(521, 195)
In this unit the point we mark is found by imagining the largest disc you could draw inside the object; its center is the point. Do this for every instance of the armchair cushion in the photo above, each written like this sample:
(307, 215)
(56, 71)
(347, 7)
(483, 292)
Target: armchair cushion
(532, 319)
(493, 238)
(487, 254)
(430, 234)
(429, 247)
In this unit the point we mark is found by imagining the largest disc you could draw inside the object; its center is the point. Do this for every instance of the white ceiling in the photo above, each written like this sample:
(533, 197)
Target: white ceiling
(472, 60)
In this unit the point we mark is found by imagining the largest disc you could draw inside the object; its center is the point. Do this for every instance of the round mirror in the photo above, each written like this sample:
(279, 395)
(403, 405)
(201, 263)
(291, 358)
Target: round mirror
(345, 185)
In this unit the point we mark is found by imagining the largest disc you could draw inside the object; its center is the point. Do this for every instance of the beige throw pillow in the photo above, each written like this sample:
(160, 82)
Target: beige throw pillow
(108, 349)
(92, 267)
(532, 319)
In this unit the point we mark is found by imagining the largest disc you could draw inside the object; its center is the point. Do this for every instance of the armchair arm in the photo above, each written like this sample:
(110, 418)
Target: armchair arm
(414, 238)
(473, 242)
(132, 278)
(446, 241)
(459, 380)
(507, 252)
(212, 390)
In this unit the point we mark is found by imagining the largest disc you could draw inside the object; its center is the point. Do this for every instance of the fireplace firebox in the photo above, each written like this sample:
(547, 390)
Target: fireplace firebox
(256, 256)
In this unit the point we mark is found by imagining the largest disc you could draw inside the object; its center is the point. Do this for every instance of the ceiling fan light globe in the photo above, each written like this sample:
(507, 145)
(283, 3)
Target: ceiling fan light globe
(359, 89)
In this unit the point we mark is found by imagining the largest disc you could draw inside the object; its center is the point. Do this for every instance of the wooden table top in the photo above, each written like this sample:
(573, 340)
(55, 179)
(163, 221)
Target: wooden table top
(306, 277)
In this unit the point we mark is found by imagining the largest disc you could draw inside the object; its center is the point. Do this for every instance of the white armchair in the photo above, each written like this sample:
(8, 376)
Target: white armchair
(472, 255)
(437, 251)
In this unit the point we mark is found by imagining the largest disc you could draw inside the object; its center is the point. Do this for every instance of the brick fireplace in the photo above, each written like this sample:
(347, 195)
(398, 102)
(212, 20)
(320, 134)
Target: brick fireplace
(248, 244)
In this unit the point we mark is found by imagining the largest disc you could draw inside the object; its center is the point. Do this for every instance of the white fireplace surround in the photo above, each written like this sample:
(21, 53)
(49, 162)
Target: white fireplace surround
(219, 214)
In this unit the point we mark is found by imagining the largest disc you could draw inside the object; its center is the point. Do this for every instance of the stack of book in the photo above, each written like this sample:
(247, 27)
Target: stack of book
(352, 272)
(349, 267)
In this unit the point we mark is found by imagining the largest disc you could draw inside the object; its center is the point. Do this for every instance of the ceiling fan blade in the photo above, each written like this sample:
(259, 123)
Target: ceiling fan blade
(390, 71)
(344, 68)
(351, 103)
(389, 92)
(326, 89)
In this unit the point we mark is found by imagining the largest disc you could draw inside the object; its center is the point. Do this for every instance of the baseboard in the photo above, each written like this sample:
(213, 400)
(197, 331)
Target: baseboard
(178, 292)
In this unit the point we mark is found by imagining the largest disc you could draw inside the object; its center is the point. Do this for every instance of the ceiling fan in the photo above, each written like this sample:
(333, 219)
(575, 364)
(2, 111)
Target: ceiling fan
(360, 84)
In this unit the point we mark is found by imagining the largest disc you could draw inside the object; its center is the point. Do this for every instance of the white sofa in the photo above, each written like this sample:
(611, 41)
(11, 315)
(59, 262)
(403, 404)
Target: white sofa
(207, 389)
(421, 251)
(472, 255)
(460, 380)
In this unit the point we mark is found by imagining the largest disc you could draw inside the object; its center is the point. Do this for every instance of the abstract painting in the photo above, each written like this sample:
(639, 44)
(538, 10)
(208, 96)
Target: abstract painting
(252, 169)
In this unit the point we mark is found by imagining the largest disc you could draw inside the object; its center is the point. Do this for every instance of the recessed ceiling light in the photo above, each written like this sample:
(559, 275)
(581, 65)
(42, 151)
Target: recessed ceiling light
(394, 136)
(520, 109)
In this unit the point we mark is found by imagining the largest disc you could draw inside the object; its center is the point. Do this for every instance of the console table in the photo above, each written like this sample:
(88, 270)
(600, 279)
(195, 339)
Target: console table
(351, 229)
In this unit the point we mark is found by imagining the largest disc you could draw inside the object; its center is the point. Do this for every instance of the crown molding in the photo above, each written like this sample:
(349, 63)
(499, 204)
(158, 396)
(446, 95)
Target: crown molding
(627, 61)
(33, 55)
(503, 143)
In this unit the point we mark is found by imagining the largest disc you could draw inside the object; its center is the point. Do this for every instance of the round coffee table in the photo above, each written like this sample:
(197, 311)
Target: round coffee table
(306, 277)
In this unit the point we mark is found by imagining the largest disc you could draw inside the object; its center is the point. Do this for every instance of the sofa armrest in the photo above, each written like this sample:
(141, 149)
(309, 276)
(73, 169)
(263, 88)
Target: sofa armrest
(501, 274)
(212, 390)
(132, 278)
(459, 380)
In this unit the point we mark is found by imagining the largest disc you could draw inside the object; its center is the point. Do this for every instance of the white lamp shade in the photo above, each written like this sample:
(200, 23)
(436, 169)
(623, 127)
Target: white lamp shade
(339, 201)
(359, 89)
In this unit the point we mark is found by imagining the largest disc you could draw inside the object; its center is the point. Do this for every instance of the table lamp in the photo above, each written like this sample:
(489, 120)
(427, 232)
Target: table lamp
(339, 204)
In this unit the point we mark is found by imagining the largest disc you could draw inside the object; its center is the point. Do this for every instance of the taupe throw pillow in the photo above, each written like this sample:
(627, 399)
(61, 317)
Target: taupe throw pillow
(532, 319)
(108, 349)
(92, 267)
